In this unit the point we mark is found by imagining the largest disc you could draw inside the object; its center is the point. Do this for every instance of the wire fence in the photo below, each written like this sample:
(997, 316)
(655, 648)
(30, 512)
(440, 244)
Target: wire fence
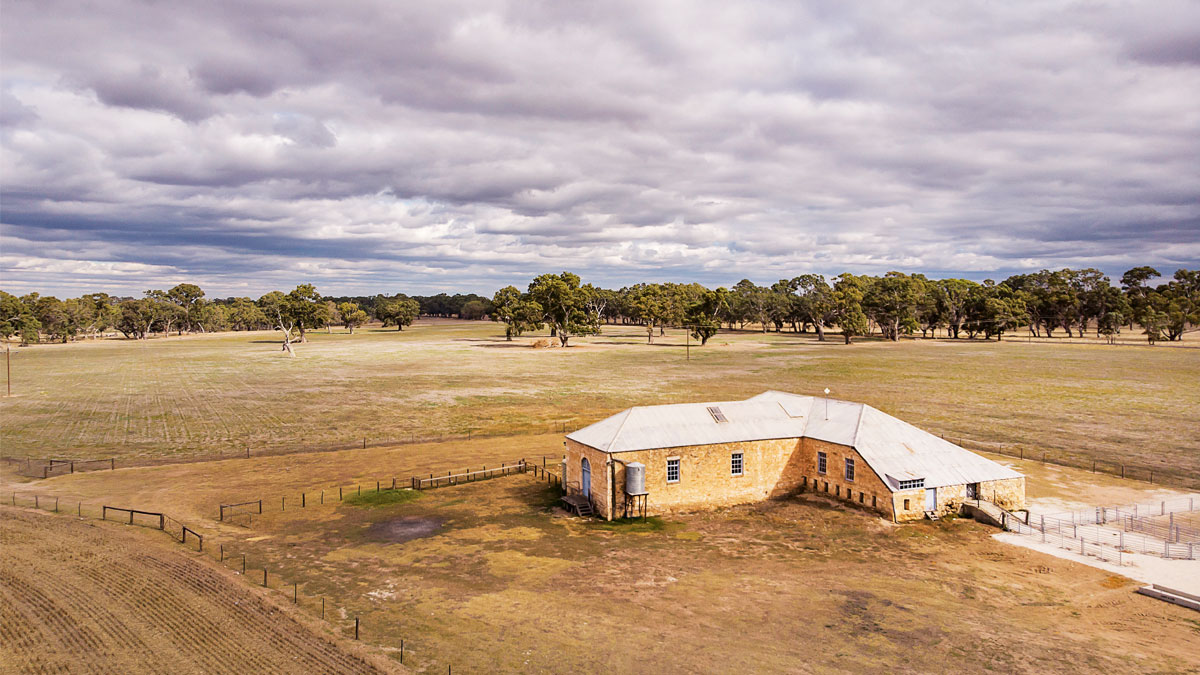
(243, 513)
(1158, 475)
(232, 555)
(42, 468)
(45, 468)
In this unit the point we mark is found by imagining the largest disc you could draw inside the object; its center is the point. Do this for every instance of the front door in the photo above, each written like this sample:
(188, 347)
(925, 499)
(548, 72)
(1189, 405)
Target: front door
(931, 499)
(586, 487)
(972, 490)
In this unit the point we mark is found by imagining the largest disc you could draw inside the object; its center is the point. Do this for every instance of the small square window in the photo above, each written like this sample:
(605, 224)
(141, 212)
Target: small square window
(905, 504)
(821, 462)
(736, 463)
(849, 469)
(874, 502)
(672, 470)
(862, 497)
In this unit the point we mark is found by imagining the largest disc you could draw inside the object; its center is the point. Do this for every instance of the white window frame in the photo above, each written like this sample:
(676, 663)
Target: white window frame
(849, 470)
(678, 470)
(737, 464)
(822, 463)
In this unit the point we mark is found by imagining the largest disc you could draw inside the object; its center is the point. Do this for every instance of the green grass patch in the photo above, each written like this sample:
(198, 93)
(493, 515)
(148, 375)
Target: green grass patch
(382, 498)
(633, 525)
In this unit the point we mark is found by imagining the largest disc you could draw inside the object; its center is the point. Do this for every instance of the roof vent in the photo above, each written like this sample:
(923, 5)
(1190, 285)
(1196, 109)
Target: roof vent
(716, 413)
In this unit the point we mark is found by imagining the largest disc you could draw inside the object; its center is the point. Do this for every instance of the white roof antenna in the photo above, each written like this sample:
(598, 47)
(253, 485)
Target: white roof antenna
(826, 403)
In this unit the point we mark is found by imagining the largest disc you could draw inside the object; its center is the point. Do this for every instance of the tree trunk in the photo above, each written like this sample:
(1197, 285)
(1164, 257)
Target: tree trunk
(563, 339)
(846, 335)
(820, 332)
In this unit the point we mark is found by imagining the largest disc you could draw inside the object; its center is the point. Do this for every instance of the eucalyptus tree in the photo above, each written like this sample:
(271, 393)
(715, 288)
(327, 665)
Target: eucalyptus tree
(564, 306)
(815, 304)
(848, 314)
(350, 316)
(704, 316)
(516, 311)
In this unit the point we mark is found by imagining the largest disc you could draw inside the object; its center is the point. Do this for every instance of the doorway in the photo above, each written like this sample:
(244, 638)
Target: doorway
(972, 490)
(931, 499)
(586, 483)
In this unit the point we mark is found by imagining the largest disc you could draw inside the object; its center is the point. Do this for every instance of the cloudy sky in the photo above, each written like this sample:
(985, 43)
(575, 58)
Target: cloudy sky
(458, 145)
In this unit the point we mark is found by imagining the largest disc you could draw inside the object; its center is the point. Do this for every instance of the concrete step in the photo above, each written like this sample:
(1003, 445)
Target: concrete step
(1171, 595)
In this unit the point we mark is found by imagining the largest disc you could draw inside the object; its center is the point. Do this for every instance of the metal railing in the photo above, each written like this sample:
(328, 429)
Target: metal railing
(1124, 529)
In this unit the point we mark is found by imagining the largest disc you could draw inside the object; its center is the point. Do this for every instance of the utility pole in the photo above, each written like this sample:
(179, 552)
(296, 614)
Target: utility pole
(826, 403)
(8, 367)
(688, 337)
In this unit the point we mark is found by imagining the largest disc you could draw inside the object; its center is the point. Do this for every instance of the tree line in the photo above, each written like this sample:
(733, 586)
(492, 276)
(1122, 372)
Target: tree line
(184, 308)
(894, 304)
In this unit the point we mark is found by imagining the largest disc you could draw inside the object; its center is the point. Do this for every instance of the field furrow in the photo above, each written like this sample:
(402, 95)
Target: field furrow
(94, 597)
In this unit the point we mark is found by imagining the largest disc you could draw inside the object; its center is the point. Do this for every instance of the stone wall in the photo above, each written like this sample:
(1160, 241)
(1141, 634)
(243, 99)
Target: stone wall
(770, 468)
(1008, 493)
(867, 489)
(601, 490)
(908, 505)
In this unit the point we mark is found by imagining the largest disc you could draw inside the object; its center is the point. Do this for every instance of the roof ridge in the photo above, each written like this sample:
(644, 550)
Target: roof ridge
(858, 425)
(628, 414)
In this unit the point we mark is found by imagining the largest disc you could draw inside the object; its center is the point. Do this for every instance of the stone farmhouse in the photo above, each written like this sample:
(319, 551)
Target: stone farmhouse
(692, 456)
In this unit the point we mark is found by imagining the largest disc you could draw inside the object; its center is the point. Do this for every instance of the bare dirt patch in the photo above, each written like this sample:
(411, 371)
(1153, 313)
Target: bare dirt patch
(400, 530)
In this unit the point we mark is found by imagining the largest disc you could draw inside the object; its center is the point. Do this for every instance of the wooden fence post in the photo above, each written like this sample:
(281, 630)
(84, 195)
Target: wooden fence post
(323, 608)
(264, 577)
(322, 496)
(303, 501)
(356, 628)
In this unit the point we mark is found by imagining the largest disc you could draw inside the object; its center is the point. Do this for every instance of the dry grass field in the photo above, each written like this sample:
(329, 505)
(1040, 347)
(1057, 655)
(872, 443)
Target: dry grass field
(492, 577)
(206, 395)
(80, 596)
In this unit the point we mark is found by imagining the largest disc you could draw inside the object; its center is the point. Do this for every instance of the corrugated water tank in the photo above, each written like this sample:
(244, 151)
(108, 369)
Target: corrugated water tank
(635, 478)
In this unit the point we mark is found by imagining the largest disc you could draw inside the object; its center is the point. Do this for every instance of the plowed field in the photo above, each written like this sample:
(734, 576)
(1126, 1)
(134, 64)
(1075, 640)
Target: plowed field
(86, 597)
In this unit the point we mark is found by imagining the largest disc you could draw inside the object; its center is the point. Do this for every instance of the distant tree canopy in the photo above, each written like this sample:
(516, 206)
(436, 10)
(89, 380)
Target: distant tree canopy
(398, 311)
(891, 305)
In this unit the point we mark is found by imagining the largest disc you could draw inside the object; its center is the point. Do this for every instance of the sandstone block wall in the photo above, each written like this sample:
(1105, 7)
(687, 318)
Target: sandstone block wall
(867, 489)
(771, 468)
(1007, 494)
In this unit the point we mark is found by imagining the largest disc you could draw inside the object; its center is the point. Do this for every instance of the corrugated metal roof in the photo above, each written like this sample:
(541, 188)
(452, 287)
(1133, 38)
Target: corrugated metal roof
(678, 425)
(894, 449)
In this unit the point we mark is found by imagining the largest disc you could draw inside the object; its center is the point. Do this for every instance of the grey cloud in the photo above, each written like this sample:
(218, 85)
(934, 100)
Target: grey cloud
(370, 144)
